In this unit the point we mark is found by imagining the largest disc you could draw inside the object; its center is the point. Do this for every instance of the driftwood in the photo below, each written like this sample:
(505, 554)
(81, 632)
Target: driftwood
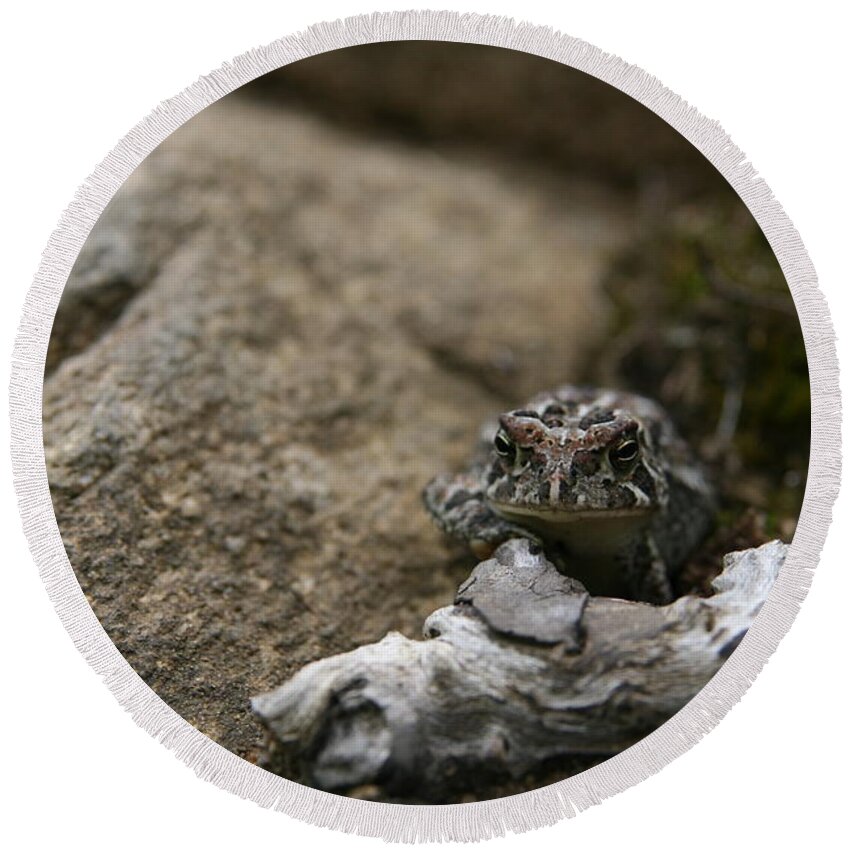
(524, 669)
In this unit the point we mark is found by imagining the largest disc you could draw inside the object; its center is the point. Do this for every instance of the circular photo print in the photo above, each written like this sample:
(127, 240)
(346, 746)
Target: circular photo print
(426, 422)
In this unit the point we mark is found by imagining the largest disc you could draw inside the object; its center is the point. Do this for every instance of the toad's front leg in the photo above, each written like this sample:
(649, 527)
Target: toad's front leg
(647, 574)
(459, 506)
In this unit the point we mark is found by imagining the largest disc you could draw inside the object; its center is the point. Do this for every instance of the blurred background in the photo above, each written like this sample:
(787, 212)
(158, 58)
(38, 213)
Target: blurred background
(304, 303)
(699, 314)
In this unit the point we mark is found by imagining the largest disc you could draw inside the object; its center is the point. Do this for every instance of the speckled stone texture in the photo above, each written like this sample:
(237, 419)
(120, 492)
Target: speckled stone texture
(276, 334)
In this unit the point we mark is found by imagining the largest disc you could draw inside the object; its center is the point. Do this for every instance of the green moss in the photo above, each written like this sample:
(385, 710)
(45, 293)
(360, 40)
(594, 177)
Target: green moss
(703, 321)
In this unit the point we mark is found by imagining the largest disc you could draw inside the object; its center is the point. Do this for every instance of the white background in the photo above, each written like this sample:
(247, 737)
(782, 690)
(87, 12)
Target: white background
(76, 771)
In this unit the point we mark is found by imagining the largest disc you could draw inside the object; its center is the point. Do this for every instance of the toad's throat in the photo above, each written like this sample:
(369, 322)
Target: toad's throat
(595, 537)
(559, 514)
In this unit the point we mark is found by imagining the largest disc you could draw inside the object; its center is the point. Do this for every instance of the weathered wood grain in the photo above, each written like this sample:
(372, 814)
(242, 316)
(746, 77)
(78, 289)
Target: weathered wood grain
(488, 695)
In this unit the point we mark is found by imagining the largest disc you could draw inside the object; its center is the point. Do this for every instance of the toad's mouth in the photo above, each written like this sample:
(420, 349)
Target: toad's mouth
(565, 514)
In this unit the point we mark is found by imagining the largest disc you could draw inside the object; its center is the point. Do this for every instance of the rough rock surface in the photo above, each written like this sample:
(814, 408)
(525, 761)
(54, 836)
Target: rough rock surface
(473, 705)
(277, 333)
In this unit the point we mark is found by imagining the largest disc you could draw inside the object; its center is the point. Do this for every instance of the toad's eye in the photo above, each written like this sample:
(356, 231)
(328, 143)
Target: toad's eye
(505, 446)
(624, 454)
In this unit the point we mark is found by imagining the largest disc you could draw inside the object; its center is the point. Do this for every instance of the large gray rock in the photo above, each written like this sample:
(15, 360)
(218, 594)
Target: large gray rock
(277, 333)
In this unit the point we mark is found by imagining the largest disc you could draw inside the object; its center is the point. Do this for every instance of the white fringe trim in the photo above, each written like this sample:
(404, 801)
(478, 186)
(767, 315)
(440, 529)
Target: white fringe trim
(468, 821)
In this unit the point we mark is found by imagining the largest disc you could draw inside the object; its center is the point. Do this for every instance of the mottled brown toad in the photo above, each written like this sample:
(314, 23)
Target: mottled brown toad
(599, 478)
